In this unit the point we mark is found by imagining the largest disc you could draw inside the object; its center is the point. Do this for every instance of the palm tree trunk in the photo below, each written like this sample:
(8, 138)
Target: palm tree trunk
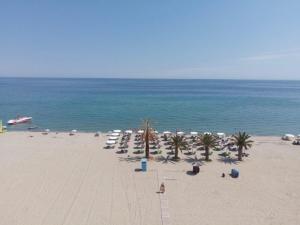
(147, 150)
(240, 153)
(206, 154)
(176, 152)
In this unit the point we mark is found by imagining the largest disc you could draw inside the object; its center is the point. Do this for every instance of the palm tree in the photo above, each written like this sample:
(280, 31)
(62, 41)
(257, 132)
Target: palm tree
(178, 143)
(148, 136)
(208, 141)
(242, 141)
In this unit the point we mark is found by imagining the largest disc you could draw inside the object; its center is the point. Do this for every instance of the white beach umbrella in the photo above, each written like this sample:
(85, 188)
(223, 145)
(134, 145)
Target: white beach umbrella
(128, 131)
(209, 133)
(167, 132)
(180, 133)
(113, 138)
(194, 133)
(196, 164)
(73, 132)
(115, 134)
(156, 132)
(288, 137)
(116, 131)
(110, 142)
(140, 131)
(221, 135)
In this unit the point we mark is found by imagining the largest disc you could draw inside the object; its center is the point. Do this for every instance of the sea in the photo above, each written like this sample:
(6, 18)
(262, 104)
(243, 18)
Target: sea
(259, 107)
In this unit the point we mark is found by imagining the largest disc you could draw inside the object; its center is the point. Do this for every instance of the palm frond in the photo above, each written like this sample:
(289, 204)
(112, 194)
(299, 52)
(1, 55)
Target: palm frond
(242, 140)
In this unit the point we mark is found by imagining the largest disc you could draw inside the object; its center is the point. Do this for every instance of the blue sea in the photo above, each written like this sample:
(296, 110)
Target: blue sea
(257, 107)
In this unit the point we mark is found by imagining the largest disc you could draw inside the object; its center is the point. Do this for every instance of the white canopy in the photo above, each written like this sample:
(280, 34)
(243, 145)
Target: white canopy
(167, 132)
(140, 131)
(128, 131)
(288, 137)
(110, 142)
(194, 133)
(115, 134)
(196, 164)
(221, 135)
(180, 133)
(209, 133)
(113, 138)
(116, 131)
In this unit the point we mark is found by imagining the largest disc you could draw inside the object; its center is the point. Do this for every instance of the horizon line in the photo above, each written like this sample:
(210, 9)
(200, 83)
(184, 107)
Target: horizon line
(147, 78)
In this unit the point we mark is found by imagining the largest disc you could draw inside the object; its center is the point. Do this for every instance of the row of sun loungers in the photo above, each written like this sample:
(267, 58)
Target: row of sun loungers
(122, 139)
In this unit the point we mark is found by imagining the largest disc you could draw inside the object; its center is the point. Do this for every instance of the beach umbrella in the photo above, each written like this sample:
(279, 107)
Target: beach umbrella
(194, 133)
(208, 133)
(196, 164)
(140, 131)
(288, 137)
(180, 133)
(128, 131)
(116, 131)
(221, 135)
(115, 134)
(73, 132)
(46, 131)
(113, 138)
(167, 132)
(110, 142)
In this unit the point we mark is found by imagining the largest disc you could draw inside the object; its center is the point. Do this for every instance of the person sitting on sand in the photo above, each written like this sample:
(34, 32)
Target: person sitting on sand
(162, 188)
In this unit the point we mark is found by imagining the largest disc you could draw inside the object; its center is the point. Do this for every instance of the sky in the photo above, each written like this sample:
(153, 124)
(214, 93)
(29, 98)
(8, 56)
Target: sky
(209, 39)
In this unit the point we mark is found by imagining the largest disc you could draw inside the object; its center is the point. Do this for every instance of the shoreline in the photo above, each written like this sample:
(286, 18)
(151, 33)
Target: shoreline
(106, 133)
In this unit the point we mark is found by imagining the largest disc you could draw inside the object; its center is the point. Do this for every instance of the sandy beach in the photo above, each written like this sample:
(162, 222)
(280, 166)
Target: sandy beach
(57, 179)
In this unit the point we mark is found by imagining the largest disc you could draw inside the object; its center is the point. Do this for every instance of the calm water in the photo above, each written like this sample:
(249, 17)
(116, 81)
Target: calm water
(258, 107)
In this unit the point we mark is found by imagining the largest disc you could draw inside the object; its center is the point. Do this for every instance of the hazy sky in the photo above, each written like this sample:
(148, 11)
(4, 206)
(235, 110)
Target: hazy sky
(245, 39)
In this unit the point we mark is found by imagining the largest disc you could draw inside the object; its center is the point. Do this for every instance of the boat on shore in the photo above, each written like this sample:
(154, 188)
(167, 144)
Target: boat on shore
(18, 120)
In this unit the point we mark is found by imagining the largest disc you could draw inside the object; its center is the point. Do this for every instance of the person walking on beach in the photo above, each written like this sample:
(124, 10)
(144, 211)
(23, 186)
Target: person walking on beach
(162, 188)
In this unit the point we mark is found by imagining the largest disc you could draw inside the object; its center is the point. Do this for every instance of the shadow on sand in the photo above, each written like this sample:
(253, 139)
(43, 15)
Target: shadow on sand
(163, 159)
(130, 159)
(228, 160)
(191, 173)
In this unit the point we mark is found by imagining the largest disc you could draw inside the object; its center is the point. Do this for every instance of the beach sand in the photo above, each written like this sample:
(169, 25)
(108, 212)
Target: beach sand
(58, 179)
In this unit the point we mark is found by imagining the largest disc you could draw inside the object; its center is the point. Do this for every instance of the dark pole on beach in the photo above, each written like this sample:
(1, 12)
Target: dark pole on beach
(147, 150)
